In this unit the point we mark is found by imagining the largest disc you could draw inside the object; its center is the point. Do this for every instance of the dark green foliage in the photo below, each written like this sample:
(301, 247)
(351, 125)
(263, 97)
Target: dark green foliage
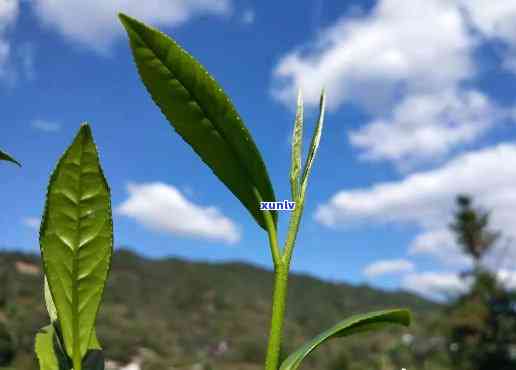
(200, 111)
(471, 229)
(7, 349)
(482, 327)
(482, 322)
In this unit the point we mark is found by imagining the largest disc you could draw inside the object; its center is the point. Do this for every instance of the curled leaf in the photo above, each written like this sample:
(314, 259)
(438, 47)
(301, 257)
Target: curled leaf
(352, 325)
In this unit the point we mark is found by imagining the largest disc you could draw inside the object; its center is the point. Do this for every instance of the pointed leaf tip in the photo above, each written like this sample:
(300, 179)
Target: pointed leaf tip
(297, 142)
(77, 226)
(202, 114)
(6, 157)
(314, 144)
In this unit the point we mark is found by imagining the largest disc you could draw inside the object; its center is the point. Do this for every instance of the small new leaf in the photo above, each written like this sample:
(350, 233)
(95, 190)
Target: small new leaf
(352, 325)
(199, 110)
(314, 144)
(297, 141)
(76, 240)
(48, 351)
(6, 157)
(51, 356)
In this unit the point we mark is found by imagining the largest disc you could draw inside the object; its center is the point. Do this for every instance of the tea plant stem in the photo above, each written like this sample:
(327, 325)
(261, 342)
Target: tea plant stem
(273, 241)
(272, 233)
(281, 270)
(292, 232)
(278, 313)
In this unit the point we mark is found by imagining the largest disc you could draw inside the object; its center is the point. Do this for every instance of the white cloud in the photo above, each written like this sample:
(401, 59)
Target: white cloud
(162, 207)
(442, 285)
(9, 10)
(46, 126)
(435, 285)
(427, 199)
(508, 278)
(16, 60)
(98, 25)
(385, 267)
(32, 222)
(374, 59)
(426, 126)
(495, 20)
(492, 19)
(248, 16)
(440, 243)
(410, 78)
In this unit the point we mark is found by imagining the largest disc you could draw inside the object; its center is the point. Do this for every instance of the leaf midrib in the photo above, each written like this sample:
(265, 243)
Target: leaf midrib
(75, 269)
(205, 114)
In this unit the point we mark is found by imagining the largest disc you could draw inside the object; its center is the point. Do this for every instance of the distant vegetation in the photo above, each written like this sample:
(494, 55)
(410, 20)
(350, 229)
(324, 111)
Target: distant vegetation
(175, 314)
(171, 312)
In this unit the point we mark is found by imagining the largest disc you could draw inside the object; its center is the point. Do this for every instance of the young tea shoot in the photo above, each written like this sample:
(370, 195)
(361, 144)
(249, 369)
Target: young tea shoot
(199, 110)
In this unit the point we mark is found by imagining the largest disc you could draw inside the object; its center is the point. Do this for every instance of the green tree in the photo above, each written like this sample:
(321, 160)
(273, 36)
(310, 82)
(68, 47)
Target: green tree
(471, 227)
(482, 322)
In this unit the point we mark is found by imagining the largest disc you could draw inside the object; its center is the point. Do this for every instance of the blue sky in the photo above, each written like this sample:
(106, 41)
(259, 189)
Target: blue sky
(421, 106)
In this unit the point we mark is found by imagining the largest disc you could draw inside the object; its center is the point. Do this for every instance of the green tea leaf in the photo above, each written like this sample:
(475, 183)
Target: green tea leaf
(297, 141)
(314, 145)
(352, 325)
(6, 157)
(47, 350)
(51, 354)
(200, 111)
(76, 240)
(94, 358)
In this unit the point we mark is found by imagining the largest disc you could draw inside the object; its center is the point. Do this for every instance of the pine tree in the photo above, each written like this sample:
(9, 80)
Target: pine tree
(471, 227)
(482, 322)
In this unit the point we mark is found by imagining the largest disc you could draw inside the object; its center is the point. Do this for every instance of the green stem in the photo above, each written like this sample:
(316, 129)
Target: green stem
(278, 313)
(281, 270)
(272, 233)
(293, 228)
(77, 363)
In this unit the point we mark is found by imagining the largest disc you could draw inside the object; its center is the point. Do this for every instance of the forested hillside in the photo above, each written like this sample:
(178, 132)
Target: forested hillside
(171, 313)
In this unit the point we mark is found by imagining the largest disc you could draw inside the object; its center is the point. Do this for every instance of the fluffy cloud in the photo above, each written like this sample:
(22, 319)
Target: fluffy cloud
(373, 59)
(385, 267)
(442, 285)
(45, 126)
(410, 78)
(495, 21)
(434, 285)
(426, 199)
(98, 26)
(425, 126)
(440, 243)
(162, 207)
